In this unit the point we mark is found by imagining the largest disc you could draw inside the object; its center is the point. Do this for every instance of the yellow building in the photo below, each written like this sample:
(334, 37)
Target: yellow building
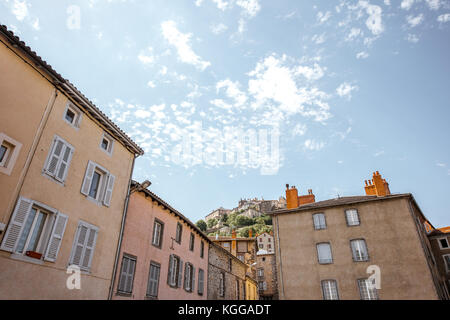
(251, 289)
(65, 170)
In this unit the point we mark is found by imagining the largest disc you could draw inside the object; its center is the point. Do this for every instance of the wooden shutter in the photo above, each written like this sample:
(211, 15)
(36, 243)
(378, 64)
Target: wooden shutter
(109, 189)
(89, 248)
(78, 249)
(123, 274)
(153, 278)
(180, 273)
(193, 279)
(169, 273)
(64, 163)
(130, 275)
(56, 236)
(18, 219)
(55, 155)
(200, 281)
(88, 178)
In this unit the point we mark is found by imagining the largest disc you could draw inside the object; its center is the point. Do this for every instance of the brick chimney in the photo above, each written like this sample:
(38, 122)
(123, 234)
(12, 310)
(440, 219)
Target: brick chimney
(293, 200)
(377, 186)
(250, 233)
(233, 242)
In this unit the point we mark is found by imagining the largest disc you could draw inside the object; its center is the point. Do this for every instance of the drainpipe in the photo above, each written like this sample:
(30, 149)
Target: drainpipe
(37, 138)
(279, 255)
(122, 227)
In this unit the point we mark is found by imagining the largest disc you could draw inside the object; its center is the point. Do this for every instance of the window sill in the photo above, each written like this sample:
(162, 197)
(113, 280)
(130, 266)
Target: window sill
(20, 257)
(123, 294)
(150, 298)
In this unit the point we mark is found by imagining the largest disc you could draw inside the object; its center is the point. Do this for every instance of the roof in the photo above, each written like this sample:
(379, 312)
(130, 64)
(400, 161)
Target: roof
(135, 184)
(439, 232)
(213, 238)
(228, 253)
(67, 87)
(444, 229)
(339, 202)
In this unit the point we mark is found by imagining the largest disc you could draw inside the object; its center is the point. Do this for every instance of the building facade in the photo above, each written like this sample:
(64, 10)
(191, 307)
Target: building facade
(265, 242)
(440, 246)
(65, 170)
(329, 249)
(163, 255)
(266, 275)
(226, 275)
(241, 247)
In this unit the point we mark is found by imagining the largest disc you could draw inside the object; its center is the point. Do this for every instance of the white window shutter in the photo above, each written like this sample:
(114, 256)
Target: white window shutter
(64, 163)
(169, 274)
(89, 249)
(18, 219)
(56, 237)
(180, 274)
(88, 178)
(80, 241)
(55, 156)
(109, 189)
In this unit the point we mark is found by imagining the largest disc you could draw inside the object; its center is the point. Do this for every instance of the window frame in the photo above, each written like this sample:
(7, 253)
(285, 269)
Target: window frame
(200, 292)
(43, 238)
(77, 118)
(50, 155)
(319, 226)
(328, 261)
(192, 242)
(161, 232)
(110, 148)
(9, 160)
(91, 228)
(367, 258)
(446, 265)
(440, 245)
(357, 215)
(366, 280)
(106, 186)
(179, 233)
(323, 289)
(155, 265)
(131, 258)
(202, 249)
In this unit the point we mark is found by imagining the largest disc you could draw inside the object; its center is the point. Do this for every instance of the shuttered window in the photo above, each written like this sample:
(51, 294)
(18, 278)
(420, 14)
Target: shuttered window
(191, 242)
(359, 250)
(35, 230)
(98, 183)
(84, 246)
(189, 277)
(175, 272)
(158, 228)
(58, 159)
(179, 232)
(319, 221)
(201, 281)
(153, 280)
(126, 278)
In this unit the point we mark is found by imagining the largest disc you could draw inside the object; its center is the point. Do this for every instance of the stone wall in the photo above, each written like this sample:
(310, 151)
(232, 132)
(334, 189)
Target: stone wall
(267, 262)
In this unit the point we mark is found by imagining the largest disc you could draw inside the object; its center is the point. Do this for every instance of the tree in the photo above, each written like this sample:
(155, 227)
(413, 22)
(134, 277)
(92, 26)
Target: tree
(211, 223)
(201, 224)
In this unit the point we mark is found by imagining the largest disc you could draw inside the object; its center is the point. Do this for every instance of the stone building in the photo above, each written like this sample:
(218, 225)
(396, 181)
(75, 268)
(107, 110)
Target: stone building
(241, 247)
(329, 249)
(265, 242)
(440, 246)
(65, 171)
(226, 275)
(217, 214)
(266, 275)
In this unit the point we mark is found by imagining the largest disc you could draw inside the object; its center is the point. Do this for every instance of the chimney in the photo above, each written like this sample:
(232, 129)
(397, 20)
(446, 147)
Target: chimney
(377, 186)
(250, 233)
(291, 197)
(233, 242)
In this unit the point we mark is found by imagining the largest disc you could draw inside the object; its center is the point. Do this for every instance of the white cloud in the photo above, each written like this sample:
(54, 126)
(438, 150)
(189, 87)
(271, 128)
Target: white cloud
(222, 5)
(146, 57)
(20, 9)
(345, 90)
(151, 84)
(374, 22)
(379, 153)
(407, 4)
(318, 39)
(198, 3)
(299, 130)
(232, 91)
(444, 17)
(323, 17)
(181, 42)
(251, 7)
(434, 4)
(311, 144)
(354, 33)
(35, 25)
(142, 114)
(387, 2)
(218, 28)
(314, 73)
(414, 21)
(362, 55)
(412, 38)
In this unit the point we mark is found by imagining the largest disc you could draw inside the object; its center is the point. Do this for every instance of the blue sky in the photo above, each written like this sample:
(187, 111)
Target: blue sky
(350, 87)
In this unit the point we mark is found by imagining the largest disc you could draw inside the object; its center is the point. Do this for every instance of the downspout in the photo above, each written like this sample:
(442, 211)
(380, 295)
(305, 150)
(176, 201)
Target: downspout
(37, 138)
(122, 227)
(279, 255)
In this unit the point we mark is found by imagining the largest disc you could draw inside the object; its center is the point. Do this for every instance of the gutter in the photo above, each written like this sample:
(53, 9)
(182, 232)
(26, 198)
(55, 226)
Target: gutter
(122, 227)
(279, 255)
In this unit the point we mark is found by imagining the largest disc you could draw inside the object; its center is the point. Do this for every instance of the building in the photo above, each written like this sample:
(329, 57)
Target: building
(251, 288)
(265, 242)
(440, 246)
(163, 255)
(226, 275)
(217, 214)
(329, 249)
(241, 247)
(266, 275)
(65, 171)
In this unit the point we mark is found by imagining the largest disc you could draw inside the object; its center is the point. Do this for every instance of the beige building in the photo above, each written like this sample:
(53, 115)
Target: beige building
(440, 246)
(266, 275)
(241, 247)
(265, 242)
(329, 249)
(65, 170)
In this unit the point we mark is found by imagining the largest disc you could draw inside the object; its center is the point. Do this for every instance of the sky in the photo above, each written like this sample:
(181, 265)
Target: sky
(232, 99)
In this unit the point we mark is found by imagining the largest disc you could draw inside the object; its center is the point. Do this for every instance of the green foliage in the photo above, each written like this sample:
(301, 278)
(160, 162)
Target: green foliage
(244, 221)
(201, 224)
(211, 223)
(244, 232)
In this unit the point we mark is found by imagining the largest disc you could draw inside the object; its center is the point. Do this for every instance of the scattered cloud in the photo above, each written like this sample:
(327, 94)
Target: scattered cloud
(20, 9)
(362, 55)
(412, 38)
(444, 17)
(219, 28)
(314, 145)
(323, 17)
(414, 21)
(345, 90)
(407, 4)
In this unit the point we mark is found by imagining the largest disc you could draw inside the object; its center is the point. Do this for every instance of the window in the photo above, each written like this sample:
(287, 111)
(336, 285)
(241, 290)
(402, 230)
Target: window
(226, 245)
(179, 232)
(175, 274)
(189, 277)
(237, 290)
(319, 221)
(126, 278)
(58, 159)
(202, 249)
(35, 230)
(9, 151)
(261, 246)
(72, 115)
(153, 280)
(84, 245)
(98, 184)
(201, 281)
(447, 262)
(191, 242)
(359, 250)
(352, 217)
(158, 227)
(269, 246)
(367, 290)
(241, 257)
(107, 143)
(443, 243)
(329, 290)
(222, 284)
(324, 253)
(260, 272)
(269, 239)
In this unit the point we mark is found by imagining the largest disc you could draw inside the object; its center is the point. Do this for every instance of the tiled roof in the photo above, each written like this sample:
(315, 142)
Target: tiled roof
(66, 86)
(213, 238)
